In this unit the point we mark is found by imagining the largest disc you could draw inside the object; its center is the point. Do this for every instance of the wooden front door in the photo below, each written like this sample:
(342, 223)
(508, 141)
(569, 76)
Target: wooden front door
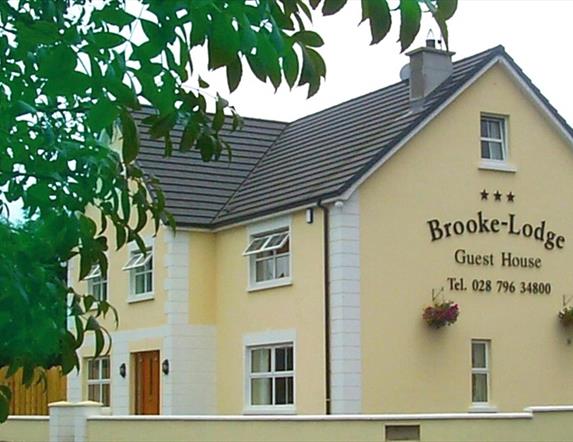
(147, 382)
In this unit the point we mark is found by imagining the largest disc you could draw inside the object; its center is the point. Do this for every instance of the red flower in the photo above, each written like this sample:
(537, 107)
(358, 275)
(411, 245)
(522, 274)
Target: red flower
(441, 314)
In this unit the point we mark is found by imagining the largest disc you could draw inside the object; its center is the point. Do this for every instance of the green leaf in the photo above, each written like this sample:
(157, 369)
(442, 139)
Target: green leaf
(5, 396)
(410, 16)
(199, 28)
(124, 94)
(290, 67)
(108, 40)
(378, 13)
(257, 67)
(223, 43)
(206, 147)
(269, 59)
(152, 31)
(313, 69)
(234, 74)
(189, 136)
(219, 117)
(163, 125)
(330, 7)
(446, 8)
(114, 15)
(130, 134)
(141, 218)
(85, 264)
(21, 108)
(248, 37)
(125, 205)
(102, 115)
(308, 38)
(120, 236)
(99, 342)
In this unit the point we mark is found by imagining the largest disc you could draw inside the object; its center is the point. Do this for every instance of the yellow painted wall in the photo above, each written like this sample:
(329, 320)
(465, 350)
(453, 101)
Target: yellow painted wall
(540, 427)
(408, 367)
(298, 306)
(25, 429)
(202, 270)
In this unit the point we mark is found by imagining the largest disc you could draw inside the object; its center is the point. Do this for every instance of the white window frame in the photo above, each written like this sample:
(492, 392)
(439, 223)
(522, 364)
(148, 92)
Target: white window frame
(482, 370)
(136, 261)
(269, 229)
(494, 164)
(270, 339)
(101, 381)
(95, 278)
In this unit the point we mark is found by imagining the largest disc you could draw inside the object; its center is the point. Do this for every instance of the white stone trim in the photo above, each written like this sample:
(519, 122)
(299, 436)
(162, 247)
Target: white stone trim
(270, 337)
(68, 421)
(190, 387)
(344, 301)
(496, 165)
(549, 408)
(326, 417)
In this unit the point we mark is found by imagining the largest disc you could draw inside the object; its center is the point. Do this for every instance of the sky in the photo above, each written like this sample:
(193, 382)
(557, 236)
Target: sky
(538, 34)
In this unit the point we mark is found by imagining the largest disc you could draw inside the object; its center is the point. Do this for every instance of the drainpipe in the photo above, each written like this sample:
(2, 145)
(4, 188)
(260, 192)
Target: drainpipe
(325, 214)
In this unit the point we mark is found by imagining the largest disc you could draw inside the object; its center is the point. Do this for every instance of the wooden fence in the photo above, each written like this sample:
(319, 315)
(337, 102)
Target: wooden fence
(34, 400)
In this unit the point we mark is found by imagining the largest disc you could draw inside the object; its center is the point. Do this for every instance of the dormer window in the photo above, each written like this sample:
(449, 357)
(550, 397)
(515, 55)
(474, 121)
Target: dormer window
(493, 139)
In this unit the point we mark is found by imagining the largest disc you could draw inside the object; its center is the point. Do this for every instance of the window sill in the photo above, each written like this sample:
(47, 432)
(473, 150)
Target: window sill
(483, 408)
(499, 166)
(132, 299)
(269, 284)
(270, 410)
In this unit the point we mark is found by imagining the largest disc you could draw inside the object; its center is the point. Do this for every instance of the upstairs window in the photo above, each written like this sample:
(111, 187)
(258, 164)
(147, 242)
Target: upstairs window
(97, 283)
(480, 372)
(269, 255)
(493, 138)
(140, 268)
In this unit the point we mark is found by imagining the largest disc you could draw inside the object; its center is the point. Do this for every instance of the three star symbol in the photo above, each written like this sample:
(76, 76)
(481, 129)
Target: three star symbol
(497, 196)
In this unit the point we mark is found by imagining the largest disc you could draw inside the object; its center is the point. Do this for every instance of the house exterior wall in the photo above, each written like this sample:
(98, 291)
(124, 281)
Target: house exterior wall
(296, 308)
(383, 268)
(408, 367)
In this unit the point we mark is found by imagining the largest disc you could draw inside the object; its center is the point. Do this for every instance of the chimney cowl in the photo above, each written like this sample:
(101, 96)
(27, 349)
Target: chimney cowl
(429, 67)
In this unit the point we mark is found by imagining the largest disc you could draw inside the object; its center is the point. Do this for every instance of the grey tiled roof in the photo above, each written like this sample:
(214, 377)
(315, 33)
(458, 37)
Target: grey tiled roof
(196, 191)
(278, 166)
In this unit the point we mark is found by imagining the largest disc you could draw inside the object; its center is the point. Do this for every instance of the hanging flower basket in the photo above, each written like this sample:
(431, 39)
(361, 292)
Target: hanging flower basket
(440, 314)
(566, 316)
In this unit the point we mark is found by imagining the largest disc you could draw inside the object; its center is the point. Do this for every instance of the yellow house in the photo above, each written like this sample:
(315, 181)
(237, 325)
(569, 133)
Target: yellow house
(299, 275)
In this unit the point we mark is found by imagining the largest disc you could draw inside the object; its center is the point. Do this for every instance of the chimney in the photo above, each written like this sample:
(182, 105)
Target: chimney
(428, 68)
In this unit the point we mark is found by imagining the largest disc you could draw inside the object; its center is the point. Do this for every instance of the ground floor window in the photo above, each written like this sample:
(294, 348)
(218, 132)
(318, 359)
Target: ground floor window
(271, 375)
(99, 380)
(480, 372)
